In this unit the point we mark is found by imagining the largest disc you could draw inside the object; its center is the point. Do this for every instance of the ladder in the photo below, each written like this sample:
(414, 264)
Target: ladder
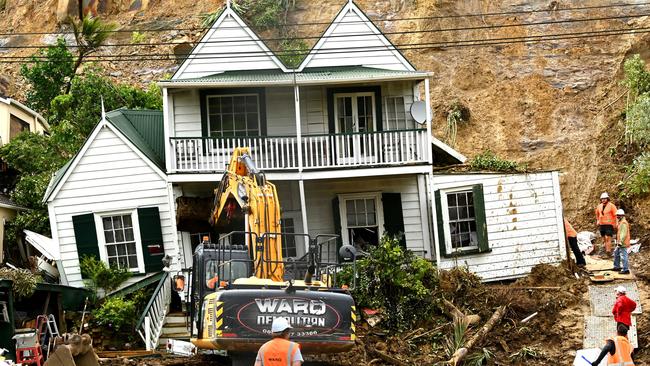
(48, 331)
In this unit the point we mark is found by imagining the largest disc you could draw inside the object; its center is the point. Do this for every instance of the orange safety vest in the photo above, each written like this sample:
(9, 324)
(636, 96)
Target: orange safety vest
(623, 355)
(606, 215)
(622, 223)
(278, 352)
(212, 283)
(569, 230)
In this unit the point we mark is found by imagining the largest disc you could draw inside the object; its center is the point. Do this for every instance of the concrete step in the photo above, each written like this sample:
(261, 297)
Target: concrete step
(174, 318)
(174, 330)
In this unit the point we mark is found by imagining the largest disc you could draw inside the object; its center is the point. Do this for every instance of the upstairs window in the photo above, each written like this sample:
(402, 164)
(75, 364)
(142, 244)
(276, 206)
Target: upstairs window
(17, 126)
(233, 115)
(397, 117)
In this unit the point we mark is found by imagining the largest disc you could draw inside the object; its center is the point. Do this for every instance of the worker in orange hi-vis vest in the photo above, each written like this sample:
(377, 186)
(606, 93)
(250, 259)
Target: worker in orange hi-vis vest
(279, 351)
(618, 349)
(606, 221)
(572, 238)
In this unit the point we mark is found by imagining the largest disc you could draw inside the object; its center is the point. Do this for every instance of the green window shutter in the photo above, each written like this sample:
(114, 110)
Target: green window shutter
(481, 223)
(393, 216)
(151, 238)
(85, 235)
(441, 225)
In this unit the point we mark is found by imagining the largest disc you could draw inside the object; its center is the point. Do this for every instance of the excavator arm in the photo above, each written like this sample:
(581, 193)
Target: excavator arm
(245, 201)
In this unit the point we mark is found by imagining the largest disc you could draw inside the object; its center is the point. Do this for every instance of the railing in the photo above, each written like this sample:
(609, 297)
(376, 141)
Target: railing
(381, 148)
(150, 323)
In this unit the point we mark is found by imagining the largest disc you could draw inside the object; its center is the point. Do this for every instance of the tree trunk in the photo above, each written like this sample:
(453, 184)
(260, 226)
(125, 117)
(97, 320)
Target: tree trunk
(487, 327)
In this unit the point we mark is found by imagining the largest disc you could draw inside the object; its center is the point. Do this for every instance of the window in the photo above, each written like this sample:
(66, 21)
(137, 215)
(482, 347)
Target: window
(361, 219)
(462, 228)
(288, 241)
(121, 248)
(17, 126)
(397, 118)
(197, 238)
(233, 115)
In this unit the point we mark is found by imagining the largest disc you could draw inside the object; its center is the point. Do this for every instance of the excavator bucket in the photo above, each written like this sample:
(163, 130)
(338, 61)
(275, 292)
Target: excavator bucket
(73, 349)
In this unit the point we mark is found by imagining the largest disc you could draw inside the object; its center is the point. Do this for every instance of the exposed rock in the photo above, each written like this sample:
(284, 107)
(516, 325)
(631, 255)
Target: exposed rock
(67, 8)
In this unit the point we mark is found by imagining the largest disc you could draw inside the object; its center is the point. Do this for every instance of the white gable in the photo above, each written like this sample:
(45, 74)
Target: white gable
(353, 40)
(228, 46)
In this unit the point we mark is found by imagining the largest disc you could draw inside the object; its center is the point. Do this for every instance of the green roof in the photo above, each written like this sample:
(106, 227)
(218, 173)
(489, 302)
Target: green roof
(143, 128)
(307, 76)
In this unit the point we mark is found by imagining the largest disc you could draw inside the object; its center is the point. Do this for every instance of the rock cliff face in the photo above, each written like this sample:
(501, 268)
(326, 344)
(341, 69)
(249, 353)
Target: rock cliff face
(553, 105)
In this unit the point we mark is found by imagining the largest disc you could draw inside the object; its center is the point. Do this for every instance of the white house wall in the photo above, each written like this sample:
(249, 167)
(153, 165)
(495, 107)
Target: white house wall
(280, 115)
(109, 177)
(227, 47)
(319, 196)
(524, 223)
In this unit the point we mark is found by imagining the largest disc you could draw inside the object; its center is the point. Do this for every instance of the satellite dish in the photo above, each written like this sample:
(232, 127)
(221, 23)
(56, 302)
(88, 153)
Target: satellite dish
(419, 111)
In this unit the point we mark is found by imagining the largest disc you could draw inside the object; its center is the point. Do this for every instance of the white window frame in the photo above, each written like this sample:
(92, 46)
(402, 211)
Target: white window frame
(444, 206)
(355, 110)
(379, 209)
(259, 116)
(99, 229)
(389, 121)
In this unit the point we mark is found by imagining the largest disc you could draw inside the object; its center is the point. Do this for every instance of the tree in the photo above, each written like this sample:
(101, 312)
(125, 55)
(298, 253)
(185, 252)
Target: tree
(90, 34)
(47, 74)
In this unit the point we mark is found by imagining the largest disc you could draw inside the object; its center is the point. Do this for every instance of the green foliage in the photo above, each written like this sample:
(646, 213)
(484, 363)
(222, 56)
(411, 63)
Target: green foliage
(483, 357)
(487, 160)
(457, 339)
(454, 116)
(138, 38)
(292, 51)
(264, 14)
(637, 124)
(397, 282)
(637, 180)
(90, 34)
(528, 353)
(117, 314)
(637, 78)
(47, 73)
(101, 275)
(24, 281)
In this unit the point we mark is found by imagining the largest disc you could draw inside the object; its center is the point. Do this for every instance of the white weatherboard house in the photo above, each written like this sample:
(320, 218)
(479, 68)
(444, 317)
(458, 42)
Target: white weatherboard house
(336, 137)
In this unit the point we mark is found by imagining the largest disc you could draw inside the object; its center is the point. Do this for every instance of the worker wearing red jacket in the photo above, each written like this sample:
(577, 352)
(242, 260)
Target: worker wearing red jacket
(623, 308)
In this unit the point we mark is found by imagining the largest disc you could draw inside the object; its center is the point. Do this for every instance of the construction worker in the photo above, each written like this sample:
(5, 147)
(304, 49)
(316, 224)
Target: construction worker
(619, 349)
(622, 243)
(623, 308)
(572, 238)
(606, 221)
(279, 351)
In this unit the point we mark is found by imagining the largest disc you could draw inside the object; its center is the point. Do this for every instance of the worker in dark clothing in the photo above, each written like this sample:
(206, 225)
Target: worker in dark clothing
(572, 238)
(618, 348)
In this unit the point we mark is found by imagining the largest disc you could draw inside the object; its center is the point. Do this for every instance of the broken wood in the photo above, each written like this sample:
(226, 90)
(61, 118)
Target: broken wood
(454, 313)
(487, 327)
(528, 287)
(390, 359)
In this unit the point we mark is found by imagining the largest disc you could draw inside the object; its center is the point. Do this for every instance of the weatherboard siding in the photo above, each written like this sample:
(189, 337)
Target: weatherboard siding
(280, 112)
(352, 41)
(226, 47)
(109, 177)
(320, 194)
(524, 223)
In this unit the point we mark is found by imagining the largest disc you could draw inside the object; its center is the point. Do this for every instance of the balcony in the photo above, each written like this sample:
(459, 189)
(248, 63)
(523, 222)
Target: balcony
(332, 151)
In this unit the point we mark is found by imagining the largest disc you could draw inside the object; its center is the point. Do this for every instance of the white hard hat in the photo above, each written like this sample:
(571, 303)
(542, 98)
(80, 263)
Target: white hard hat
(604, 195)
(279, 325)
(620, 212)
(620, 289)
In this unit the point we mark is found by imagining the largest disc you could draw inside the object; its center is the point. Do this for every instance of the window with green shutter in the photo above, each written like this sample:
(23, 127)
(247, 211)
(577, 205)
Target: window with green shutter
(462, 227)
(85, 235)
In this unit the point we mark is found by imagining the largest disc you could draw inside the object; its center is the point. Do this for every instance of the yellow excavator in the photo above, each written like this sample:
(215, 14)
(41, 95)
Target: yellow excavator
(242, 282)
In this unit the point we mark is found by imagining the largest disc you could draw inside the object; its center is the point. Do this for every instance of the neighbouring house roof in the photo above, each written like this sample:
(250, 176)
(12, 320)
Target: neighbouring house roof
(6, 202)
(26, 109)
(445, 154)
(311, 76)
(143, 128)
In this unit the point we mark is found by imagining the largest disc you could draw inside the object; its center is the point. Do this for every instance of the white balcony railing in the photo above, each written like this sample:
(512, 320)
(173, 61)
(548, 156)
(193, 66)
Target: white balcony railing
(383, 148)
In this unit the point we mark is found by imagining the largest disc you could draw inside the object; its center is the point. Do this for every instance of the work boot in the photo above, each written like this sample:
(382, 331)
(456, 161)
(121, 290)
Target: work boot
(624, 271)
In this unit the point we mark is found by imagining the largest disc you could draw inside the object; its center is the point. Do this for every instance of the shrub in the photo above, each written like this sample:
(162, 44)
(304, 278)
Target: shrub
(116, 313)
(101, 275)
(138, 38)
(24, 281)
(397, 282)
(637, 78)
(637, 123)
(637, 182)
(487, 160)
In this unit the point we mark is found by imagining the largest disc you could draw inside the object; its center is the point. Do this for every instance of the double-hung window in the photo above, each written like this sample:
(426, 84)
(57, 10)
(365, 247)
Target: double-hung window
(362, 221)
(397, 117)
(233, 115)
(120, 238)
(462, 227)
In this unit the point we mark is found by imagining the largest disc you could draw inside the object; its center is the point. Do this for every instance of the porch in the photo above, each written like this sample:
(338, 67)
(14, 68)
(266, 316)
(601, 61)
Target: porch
(322, 151)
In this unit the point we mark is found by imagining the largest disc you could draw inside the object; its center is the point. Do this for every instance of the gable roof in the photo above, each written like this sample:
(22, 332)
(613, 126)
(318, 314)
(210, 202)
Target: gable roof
(230, 44)
(144, 129)
(353, 39)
